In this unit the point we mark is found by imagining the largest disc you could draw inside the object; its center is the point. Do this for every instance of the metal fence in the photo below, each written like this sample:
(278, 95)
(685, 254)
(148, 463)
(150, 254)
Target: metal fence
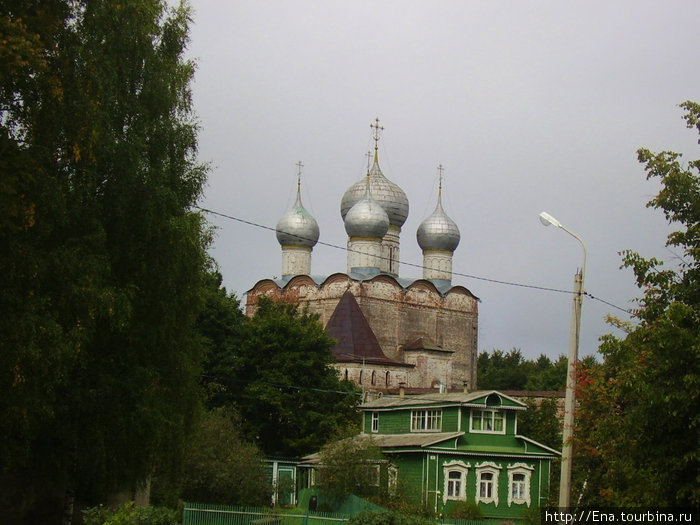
(205, 514)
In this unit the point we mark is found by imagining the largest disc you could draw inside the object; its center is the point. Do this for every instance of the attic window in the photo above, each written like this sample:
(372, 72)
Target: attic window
(487, 421)
(426, 420)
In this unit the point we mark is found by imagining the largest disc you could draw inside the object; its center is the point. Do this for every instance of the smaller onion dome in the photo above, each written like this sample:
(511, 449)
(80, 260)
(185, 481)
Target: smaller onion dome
(297, 227)
(367, 217)
(438, 231)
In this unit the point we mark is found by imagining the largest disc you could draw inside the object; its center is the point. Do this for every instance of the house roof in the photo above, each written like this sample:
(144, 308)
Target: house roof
(477, 399)
(415, 439)
(356, 340)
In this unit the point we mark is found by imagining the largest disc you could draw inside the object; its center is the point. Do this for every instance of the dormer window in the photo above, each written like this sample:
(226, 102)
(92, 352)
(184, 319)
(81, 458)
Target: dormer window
(487, 421)
(426, 420)
(375, 421)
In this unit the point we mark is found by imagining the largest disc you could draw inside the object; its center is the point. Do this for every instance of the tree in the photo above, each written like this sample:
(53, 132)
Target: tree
(279, 377)
(220, 467)
(101, 259)
(637, 431)
(352, 466)
(511, 371)
(502, 371)
(541, 423)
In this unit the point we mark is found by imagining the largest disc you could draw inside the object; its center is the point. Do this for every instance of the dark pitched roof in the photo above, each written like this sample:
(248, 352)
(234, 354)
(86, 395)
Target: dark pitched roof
(356, 340)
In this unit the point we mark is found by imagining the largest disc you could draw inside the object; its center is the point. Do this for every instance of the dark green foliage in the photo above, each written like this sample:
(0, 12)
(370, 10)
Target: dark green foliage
(220, 467)
(374, 517)
(638, 422)
(276, 372)
(353, 466)
(540, 422)
(101, 259)
(130, 514)
(465, 510)
(511, 371)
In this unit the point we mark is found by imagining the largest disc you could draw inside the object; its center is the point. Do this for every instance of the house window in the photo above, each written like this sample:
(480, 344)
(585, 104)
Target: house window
(426, 420)
(455, 475)
(393, 481)
(375, 421)
(487, 483)
(455, 482)
(487, 421)
(519, 484)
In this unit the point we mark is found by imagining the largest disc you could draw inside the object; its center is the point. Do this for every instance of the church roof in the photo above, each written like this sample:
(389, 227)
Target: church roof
(441, 287)
(356, 340)
(425, 343)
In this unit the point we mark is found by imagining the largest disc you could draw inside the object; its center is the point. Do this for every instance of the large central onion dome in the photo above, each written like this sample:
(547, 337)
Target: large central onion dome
(366, 218)
(438, 231)
(388, 194)
(297, 227)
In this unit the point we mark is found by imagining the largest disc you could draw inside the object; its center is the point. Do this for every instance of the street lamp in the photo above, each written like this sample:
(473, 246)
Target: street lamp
(565, 481)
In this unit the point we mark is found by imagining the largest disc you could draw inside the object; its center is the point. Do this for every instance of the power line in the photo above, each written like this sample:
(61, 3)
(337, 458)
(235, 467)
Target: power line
(414, 265)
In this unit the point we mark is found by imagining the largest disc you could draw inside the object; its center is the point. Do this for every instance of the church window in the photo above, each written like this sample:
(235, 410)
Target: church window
(387, 379)
(346, 374)
(373, 376)
(426, 420)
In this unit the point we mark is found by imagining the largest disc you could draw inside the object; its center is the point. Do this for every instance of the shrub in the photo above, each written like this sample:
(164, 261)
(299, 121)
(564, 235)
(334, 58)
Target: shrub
(130, 514)
(465, 510)
(383, 517)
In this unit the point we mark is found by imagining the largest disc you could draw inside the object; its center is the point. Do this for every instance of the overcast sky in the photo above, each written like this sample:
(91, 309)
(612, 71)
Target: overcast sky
(528, 105)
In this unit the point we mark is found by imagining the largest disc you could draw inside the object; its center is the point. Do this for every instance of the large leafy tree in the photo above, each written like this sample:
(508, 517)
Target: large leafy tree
(101, 259)
(511, 371)
(638, 422)
(277, 374)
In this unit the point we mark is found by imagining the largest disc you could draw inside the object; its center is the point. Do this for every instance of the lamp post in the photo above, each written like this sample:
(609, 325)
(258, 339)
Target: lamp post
(569, 402)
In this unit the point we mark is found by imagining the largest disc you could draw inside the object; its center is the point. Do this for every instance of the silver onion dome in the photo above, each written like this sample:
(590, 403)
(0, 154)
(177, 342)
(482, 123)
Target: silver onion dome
(297, 227)
(438, 231)
(366, 218)
(388, 194)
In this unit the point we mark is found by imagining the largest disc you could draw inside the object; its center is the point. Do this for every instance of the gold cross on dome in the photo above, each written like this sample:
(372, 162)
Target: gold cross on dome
(377, 130)
(299, 166)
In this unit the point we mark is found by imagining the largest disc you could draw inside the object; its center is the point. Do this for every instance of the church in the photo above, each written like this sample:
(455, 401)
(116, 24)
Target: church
(392, 332)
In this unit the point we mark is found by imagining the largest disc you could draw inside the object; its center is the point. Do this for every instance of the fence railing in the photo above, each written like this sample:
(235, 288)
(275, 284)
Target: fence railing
(206, 514)
(209, 514)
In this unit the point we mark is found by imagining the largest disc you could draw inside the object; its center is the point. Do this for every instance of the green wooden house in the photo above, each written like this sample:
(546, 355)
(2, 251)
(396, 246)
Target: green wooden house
(451, 447)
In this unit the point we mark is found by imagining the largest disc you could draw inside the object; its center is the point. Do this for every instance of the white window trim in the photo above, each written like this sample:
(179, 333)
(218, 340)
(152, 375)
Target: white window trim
(488, 467)
(482, 431)
(463, 469)
(374, 425)
(393, 479)
(526, 470)
(427, 417)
